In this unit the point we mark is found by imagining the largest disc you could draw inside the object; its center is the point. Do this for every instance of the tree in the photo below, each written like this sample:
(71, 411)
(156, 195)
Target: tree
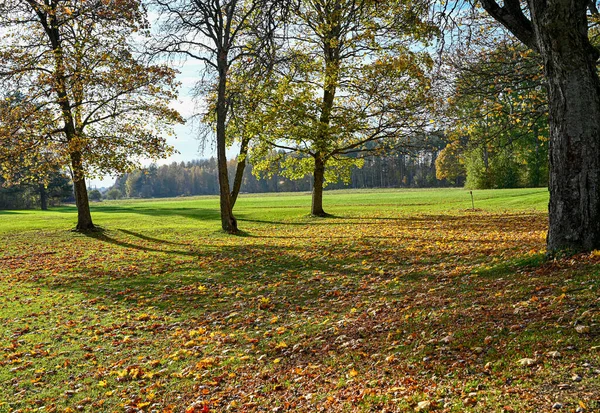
(58, 187)
(496, 111)
(558, 31)
(219, 33)
(114, 193)
(85, 98)
(449, 164)
(95, 195)
(353, 82)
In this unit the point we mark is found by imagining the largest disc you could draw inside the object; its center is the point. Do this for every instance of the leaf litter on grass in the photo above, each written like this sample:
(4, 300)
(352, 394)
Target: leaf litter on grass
(388, 314)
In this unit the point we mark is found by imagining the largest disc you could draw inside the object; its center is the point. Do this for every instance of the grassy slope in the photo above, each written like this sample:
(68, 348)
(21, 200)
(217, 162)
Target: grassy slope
(400, 297)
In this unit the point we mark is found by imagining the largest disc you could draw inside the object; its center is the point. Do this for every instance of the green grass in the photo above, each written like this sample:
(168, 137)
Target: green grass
(201, 213)
(399, 297)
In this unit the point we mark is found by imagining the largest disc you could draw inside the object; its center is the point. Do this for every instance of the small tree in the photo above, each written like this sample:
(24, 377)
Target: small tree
(219, 33)
(450, 165)
(352, 82)
(114, 194)
(95, 195)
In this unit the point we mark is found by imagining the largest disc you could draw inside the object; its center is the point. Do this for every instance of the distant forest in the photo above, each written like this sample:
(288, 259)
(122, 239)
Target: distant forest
(200, 178)
(58, 190)
(419, 169)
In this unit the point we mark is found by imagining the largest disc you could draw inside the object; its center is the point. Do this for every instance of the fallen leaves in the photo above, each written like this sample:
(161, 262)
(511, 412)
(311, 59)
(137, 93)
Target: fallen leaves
(359, 314)
(527, 362)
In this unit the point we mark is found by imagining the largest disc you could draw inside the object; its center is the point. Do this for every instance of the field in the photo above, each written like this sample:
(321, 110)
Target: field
(401, 301)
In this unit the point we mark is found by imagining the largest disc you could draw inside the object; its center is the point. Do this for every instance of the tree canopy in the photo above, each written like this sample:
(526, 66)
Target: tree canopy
(351, 78)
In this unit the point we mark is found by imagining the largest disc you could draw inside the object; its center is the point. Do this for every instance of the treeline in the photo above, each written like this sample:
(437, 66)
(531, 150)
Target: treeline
(199, 177)
(28, 196)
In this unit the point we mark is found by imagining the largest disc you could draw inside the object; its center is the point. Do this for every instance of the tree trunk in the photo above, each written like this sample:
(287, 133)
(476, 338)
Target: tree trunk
(317, 193)
(43, 197)
(574, 101)
(84, 216)
(331, 49)
(228, 221)
(239, 172)
(558, 30)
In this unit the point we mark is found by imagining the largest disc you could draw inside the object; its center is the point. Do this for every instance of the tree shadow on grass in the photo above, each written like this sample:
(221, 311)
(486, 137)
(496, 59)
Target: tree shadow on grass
(101, 235)
(304, 272)
(284, 274)
(150, 239)
(206, 214)
(11, 212)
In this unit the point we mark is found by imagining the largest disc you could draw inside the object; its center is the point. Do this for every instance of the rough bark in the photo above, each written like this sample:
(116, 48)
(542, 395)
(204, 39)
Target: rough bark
(317, 192)
(43, 197)
(574, 100)
(84, 216)
(228, 221)
(558, 30)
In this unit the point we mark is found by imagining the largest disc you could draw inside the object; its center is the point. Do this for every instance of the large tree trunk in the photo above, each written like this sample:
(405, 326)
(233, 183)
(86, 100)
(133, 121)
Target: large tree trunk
(558, 30)
(574, 101)
(317, 192)
(43, 197)
(84, 217)
(228, 221)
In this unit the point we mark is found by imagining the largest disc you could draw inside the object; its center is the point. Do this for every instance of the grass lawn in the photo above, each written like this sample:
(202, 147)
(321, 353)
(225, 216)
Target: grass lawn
(401, 301)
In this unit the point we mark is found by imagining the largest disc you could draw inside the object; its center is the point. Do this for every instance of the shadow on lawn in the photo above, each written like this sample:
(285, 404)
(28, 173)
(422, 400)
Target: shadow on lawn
(466, 222)
(302, 273)
(206, 214)
(151, 239)
(285, 274)
(259, 281)
(101, 235)
(11, 212)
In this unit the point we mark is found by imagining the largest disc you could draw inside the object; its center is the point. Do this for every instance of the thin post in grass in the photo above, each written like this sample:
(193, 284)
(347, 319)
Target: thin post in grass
(472, 200)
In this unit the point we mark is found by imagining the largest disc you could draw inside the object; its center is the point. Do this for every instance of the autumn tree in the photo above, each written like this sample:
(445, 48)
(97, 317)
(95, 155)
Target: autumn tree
(558, 30)
(352, 81)
(78, 93)
(248, 87)
(450, 165)
(219, 33)
(497, 114)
